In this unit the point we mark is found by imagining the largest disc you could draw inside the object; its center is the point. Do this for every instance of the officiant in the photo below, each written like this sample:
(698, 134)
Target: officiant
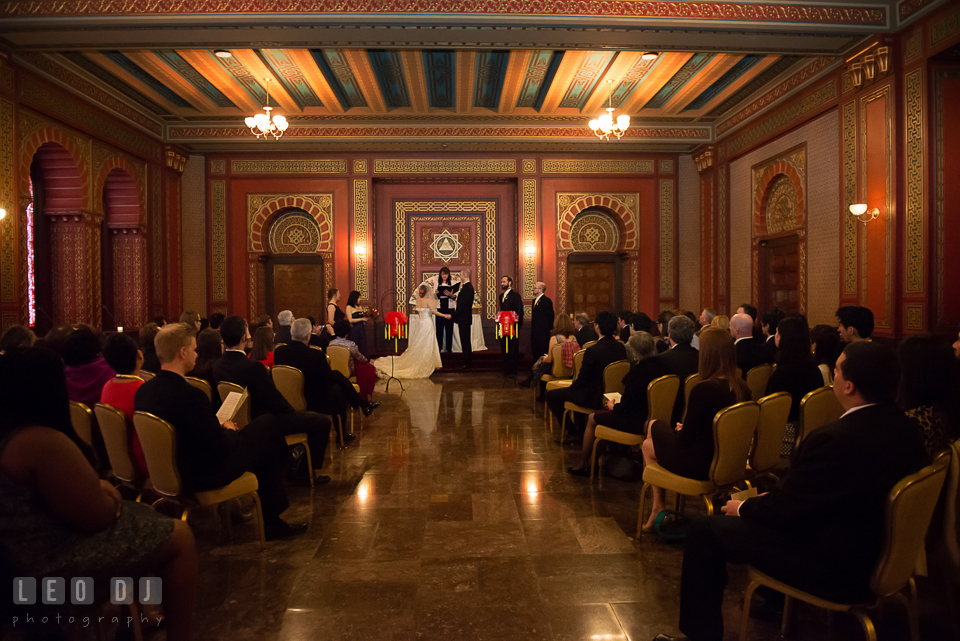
(445, 293)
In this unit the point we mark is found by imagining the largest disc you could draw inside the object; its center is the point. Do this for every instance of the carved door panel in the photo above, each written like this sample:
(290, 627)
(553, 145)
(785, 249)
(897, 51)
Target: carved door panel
(780, 280)
(297, 286)
(592, 287)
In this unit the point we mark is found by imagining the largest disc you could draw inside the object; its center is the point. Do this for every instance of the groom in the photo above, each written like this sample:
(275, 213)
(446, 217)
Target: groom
(510, 301)
(463, 316)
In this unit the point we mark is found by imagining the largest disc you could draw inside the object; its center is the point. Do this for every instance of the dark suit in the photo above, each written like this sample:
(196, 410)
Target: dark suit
(541, 326)
(444, 326)
(820, 528)
(750, 353)
(326, 391)
(586, 334)
(770, 347)
(682, 360)
(209, 456)
(587, 389)
(151, 362)
(510, 347)
(463, 317)
(266, 400)
(283, 335)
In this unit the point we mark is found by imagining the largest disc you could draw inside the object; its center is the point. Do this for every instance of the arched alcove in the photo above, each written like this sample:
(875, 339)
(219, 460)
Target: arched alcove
(123, 255)
(594, 268)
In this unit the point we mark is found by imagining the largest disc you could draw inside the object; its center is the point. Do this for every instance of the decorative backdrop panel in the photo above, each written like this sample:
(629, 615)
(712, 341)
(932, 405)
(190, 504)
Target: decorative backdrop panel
(261, 207)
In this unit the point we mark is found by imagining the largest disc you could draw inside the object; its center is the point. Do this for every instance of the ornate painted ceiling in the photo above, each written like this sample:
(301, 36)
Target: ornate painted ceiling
(514, 72)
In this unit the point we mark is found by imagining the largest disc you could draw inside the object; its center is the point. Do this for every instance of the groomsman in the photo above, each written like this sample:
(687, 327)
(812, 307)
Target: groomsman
(463, 316)
(510, 301)
(542, 321)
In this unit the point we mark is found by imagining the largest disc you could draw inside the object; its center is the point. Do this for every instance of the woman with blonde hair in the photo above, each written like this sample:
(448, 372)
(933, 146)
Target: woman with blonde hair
(563, 332)
(721, 322)
(687, 448)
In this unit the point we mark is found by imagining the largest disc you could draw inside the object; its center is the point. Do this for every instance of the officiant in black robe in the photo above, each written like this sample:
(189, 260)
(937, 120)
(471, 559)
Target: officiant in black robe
(445, 291)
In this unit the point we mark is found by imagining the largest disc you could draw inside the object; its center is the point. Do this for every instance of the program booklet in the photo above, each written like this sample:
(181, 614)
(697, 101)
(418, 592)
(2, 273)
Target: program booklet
(231, 405)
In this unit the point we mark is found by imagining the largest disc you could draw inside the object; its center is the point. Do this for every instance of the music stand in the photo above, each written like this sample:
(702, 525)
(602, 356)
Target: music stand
(394, 356)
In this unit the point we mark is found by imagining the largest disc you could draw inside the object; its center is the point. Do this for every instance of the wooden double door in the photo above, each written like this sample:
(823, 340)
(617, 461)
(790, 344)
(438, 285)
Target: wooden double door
(296, 284)
(594, 284)
(780, 274)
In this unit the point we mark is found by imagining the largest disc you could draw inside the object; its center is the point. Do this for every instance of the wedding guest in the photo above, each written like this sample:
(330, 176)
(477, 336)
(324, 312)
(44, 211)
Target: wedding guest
(707, 316)
(158, 321)
(125, 358)
(150, 361)
(768, 325)
(663, 322)
(584, 329)
(681, 360)
(209, 349)
(541, 321)
(284, 319)
(86, 370)
(56, 337)
(623, 326)
(722, 321)
(333, 311)
(17, 337)
(928, 390)
(855, 323)
(445, 291)
(750, 350)
(215, 320)
(191, 318)
(796, 372)
(360, 367)
(563, 334)
(262, 349)
(826, 346)
(358, 322)
(640, 322)
(319, 336)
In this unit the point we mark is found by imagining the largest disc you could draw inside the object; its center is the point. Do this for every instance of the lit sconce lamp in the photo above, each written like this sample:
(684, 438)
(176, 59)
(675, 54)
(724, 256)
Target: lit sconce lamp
(869, 67)
(531, 250)
(857, 74)
(119, 329)
(863, 214)
(3, 213)
(360, 250)
(883, 59)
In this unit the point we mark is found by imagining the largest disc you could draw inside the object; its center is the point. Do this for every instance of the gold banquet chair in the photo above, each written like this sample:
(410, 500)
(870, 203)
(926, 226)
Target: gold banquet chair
(559, 372)
(242, 415)
(771, 429)
(202, 385)
(817, 409)
(733, 429)
(145, 375)
(612, 382)
(115, 432)
(688, 385)
(339, 358)
(757, 379)
(588, 344)
(909, 509)
(557, 384)
(289, 382)
(159, 441)
(81, 418)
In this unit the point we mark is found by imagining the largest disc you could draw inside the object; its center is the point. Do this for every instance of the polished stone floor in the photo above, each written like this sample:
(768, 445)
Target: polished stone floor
(451, 517)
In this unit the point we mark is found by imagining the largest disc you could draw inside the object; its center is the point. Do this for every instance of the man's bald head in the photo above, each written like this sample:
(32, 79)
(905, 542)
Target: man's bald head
(741, 326)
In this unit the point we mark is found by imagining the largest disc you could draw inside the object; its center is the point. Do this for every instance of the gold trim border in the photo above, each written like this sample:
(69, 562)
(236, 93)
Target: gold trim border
(914, 177)
(361, 235)
(411, 166)
(598, 166)
(529, 231)
(242, 167)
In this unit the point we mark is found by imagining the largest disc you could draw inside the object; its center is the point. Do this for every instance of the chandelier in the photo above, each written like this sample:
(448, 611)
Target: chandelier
(604, 124)
(264, 124)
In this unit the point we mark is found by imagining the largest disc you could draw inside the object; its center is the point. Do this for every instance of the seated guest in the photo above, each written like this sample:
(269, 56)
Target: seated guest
(796, 372)
(319, 336)
(360, 367)
(584, 329)
(751, 311)
(640, 322)
(623, 326)
(663, 322)
(928, 387)
(706, 317)
(722, 321)
(204, 324)
(56, 337)
(635, 347)
(695, 341)
(150, 361)
(216, 319)
(284, 319)
(563, 333)
(855, 323)
(826, 347)
(587, 389)
(123, 357)
(262, 349)
(687, 448)
(211, 455)
(87, 372)
(681, 360)
(209, 349)
(192, 319)
(265, 398)
(158, 321)
(768, 325)
(820, 529)
(58, 518)
(324, 389)
(630, 414)
(17, 337)
(750, 350)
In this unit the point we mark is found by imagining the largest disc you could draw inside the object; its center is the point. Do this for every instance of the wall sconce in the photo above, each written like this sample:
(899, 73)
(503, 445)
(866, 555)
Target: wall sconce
(530, 250)
(862, 214)
(857, 74)
(360, 250)
(883, 59)
(869, 67)
(3, 213)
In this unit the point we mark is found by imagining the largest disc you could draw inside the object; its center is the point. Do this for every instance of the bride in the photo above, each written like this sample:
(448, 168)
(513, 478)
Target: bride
(422, 355)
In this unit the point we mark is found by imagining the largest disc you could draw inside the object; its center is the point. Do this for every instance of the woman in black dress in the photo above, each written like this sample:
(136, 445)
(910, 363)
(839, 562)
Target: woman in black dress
(334, 313)
(796, 372)
(687, 448)
(358, 333)
(445, 288)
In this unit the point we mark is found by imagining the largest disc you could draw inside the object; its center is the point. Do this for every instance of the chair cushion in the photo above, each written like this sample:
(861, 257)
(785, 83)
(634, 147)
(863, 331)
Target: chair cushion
(654, 474)
(245, 484)
(566, 382)
(573, 407)
(616, 436)
(294, 439)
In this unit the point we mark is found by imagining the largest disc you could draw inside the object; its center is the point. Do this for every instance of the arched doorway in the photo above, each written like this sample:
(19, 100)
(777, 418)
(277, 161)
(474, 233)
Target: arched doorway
(294, 270)
(123, 256)
(595, 268)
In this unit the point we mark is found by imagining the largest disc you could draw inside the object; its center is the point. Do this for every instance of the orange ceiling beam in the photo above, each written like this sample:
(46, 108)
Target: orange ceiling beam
(363, 71)
(516, 70)
(133, 81)
(416, 78)
(661, 74)
(721, 64)
(315, 78)
(566, 72)
(220, 78)
(752, 73)
(152, 64)
(260, 71)
(623, 63)
(466, 70)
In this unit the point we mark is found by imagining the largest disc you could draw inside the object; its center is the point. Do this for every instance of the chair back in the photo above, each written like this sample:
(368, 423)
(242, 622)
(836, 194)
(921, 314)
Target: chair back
(145, 375)
(688, 386)
(588, 344)
(201, 385)
(613, 376)
(910, 506)
(757, 379)
(951, 507)
(115, 432)
(661, 395)
(771, 430)
(818, 408)
(242, 416)
(733, 430)
(289, 380)
(339, 357)
(577, 362)
(559, 369)
(82, 420)
(159, 442)
(826, 373)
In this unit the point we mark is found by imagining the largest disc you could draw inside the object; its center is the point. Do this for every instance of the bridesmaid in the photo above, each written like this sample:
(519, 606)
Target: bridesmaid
(357, 320)
(334, 313)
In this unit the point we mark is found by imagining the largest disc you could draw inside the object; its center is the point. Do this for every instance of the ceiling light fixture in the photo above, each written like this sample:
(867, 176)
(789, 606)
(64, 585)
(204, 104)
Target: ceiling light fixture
(263, 124)
(650, 55)
(862, 214)
(604, 124)
(222, 53)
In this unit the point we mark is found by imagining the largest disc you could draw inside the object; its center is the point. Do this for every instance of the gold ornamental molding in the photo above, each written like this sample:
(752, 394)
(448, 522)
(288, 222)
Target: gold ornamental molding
(528, 230)
(261, 207)
(914, 176)
(403, 166)
(598, 166)
(667, 244)
(361, 237)
(8, 259)
(849, 165)
(288, 166)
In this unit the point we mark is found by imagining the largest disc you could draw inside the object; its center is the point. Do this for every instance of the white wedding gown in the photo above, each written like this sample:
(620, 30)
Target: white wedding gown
(422, 355)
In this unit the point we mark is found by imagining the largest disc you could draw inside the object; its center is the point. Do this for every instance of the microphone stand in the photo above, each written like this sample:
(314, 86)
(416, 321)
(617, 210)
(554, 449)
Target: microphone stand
(392, 358)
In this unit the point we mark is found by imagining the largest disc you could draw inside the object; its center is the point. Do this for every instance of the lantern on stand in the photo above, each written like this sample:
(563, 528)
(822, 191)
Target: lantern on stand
(507, 326)
(395, 327)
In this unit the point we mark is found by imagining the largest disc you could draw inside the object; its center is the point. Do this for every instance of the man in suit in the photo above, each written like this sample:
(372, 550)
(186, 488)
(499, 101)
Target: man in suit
(750, 350)
(681, 360)
(325, 390)
(584, 329)
(821, 527)
(542, 319)
(510, 301)
(211, 455)
(854, 323)
(587, 389)
(463, 316)
(284, 319)
(265, 399)
(663, 323)
(768, 326)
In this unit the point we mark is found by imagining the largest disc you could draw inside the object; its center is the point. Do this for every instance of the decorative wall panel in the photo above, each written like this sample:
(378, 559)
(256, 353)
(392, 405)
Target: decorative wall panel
(849, 159)
(779, 187)
(288, 166)
(914, 178)
(598, 166)
(8, 201)
(528, 217)
(261, 207)
(688, 234)
(388, 166)
(594, 232)
(722, 265)
(218, 167)
(156, 233)
(946, 226)
(361, 236)
(667, 239)
(218, 238)
(294, 233)
(129, 297)
(876, 121)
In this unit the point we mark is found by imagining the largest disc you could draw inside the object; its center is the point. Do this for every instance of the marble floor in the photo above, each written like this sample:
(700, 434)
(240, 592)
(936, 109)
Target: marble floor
(452, 517)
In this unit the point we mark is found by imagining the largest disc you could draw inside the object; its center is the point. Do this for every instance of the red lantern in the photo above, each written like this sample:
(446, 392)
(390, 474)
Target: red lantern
(395, 326)
(507, 325)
